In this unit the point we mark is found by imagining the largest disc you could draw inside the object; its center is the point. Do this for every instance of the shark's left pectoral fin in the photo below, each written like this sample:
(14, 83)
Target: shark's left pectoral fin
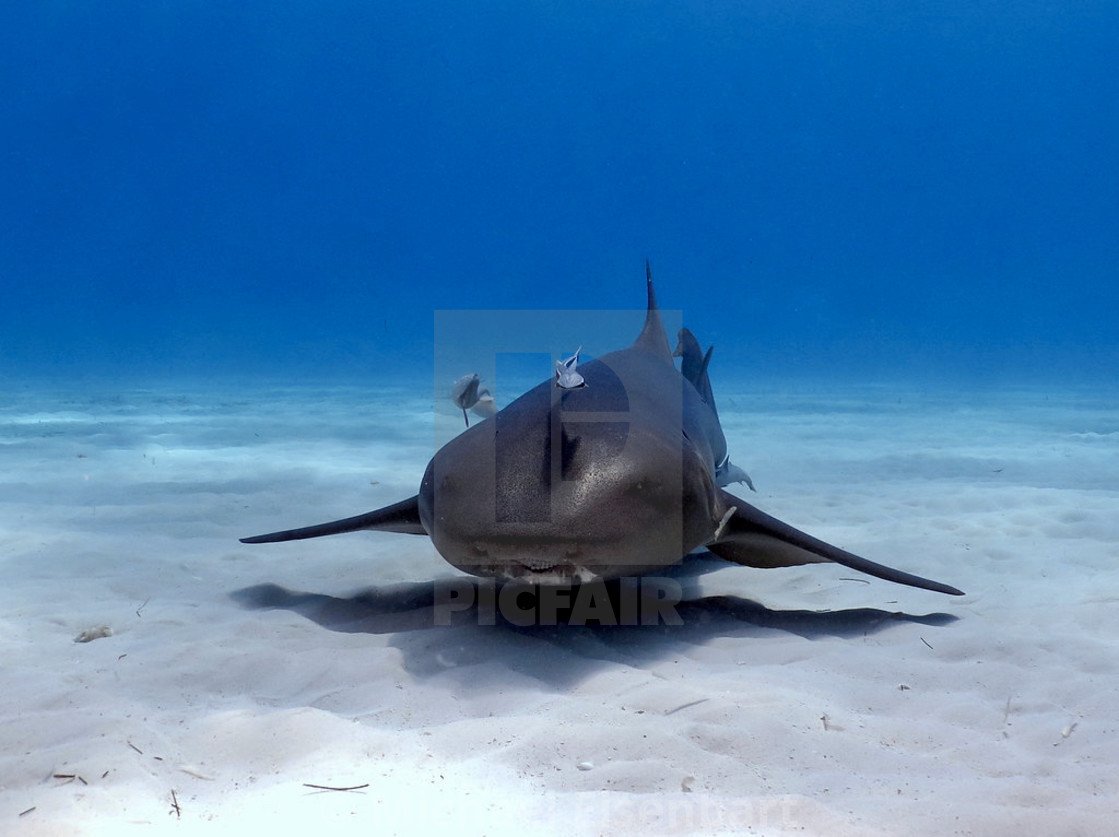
(402, 517)
(753, 538)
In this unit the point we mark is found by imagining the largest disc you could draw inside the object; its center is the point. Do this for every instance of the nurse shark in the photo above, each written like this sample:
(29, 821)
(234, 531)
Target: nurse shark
(619, 474)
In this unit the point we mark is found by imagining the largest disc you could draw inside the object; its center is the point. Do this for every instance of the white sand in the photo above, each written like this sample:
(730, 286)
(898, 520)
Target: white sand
(781, 706)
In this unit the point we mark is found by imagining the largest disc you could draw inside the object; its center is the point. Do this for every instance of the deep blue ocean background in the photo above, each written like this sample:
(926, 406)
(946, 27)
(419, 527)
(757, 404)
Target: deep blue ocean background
(864, 191)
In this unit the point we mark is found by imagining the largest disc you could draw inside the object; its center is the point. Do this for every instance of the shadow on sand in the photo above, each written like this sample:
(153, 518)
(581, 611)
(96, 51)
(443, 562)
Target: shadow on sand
(418, 616)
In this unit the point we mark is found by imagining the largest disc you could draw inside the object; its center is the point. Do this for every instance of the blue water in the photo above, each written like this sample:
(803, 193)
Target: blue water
(289, 191)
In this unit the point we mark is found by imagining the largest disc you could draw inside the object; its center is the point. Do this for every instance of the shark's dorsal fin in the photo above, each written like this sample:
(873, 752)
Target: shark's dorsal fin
(652, 337)
(693, 365)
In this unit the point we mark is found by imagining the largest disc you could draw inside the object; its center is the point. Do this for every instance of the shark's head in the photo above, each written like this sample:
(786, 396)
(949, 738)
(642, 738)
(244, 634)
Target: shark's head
(574, 485)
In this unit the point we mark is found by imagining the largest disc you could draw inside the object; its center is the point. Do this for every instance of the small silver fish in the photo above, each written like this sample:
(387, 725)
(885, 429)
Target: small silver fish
(566, 375)
(468, 396)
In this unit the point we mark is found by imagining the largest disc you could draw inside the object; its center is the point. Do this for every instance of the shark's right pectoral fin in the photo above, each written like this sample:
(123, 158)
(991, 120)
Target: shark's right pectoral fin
(402, 517)
(753, 538)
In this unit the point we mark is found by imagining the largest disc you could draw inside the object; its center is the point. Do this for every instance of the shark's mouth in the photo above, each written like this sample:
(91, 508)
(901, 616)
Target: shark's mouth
(536, 568)
(557, 574)
(547, 560)
(538, 565)
(550, 572)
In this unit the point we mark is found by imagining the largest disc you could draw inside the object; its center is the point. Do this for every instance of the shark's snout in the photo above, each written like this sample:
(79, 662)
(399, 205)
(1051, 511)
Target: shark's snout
(626, 519)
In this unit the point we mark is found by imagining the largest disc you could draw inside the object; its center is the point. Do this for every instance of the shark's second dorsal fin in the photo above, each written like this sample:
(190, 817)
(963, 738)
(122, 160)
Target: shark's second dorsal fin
(703, 382)
(652, 337)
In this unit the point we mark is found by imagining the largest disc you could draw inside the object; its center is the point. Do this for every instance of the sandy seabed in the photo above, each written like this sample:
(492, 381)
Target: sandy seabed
(795, 701)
